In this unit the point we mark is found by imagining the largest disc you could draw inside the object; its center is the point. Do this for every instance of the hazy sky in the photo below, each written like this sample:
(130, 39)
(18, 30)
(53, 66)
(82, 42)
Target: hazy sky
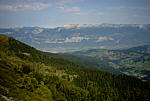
(52, 13)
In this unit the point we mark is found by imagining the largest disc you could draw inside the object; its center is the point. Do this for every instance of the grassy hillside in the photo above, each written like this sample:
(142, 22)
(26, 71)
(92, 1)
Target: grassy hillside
(29, 75)
(134, 61)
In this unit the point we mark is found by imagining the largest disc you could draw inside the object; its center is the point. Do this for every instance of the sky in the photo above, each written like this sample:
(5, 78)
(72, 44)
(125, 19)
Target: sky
(56, 13)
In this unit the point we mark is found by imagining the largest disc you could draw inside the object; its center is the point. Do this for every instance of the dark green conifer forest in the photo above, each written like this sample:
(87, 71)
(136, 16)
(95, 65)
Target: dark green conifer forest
(27, 74)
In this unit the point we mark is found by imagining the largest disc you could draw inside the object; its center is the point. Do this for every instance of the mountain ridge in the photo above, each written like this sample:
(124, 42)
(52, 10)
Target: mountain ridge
(61, 39)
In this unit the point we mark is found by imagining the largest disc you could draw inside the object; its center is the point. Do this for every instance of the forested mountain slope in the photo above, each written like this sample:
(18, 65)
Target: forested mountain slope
(29, 75)
(85, 61)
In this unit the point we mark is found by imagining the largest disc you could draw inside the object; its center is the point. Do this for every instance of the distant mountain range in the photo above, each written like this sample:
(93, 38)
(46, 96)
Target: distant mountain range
(75, 37)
